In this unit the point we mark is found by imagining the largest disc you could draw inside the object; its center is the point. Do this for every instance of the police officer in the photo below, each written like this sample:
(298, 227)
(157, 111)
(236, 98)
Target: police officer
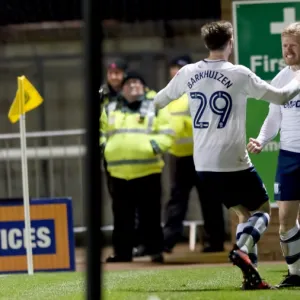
(110, 90)
(134, 137)
(184, 178)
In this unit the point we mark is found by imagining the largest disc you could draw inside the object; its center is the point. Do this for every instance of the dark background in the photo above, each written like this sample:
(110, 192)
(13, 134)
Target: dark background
(32, 11)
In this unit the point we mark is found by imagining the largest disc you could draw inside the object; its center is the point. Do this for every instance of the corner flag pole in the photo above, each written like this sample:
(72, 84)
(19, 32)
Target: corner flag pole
(25, 177)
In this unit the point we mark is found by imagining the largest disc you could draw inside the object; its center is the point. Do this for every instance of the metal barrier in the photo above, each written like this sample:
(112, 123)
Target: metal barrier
(50, 156)
(48, 178)
(191, 224)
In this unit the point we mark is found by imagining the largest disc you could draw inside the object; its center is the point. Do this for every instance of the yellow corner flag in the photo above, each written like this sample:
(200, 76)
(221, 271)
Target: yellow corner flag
(27, 98)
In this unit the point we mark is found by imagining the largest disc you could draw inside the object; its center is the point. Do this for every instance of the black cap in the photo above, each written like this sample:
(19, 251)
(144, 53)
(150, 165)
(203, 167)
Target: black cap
(118, 63)
(133, 75)
(181, 61)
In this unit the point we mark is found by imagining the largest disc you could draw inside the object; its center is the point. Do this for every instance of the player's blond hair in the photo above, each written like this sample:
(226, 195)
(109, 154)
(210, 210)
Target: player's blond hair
(292, 29)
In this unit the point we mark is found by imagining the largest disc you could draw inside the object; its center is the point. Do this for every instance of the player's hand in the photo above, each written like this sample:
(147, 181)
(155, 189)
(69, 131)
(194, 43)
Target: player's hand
(254, 146)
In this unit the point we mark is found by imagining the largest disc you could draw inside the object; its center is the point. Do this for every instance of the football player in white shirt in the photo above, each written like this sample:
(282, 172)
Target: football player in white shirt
(218, 91)
(286, 118)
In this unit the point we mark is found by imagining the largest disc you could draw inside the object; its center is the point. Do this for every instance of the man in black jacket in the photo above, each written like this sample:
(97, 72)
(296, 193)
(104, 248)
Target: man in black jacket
(114, 77)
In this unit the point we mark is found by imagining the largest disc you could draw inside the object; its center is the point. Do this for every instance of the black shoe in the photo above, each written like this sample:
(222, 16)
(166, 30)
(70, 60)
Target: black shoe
(289, 281)
(252, 279)
(118, 259)
(157, 258)
(139, 251)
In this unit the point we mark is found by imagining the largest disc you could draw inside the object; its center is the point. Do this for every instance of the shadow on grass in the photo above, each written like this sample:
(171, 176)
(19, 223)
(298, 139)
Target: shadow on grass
(283, 271)
(180, 290)
(181, 263)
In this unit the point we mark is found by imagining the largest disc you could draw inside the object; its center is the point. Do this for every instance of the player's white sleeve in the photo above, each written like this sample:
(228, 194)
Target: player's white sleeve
(260, 89)
(174, 90)
(271, 125)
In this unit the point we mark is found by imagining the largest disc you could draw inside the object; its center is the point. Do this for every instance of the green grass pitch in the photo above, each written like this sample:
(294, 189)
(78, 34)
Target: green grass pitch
(217, 282)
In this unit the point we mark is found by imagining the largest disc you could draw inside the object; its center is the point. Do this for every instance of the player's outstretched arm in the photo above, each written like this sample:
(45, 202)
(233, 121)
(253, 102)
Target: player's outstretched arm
(260, 89)
(162, 99)
(174, 89)
(283, 95)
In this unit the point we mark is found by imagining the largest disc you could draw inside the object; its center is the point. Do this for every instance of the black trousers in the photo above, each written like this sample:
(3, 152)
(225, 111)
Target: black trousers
(142, 195)
(183, 179)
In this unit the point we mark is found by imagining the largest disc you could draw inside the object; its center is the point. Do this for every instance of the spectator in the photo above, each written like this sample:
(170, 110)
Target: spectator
(134, 136)
(110, 90)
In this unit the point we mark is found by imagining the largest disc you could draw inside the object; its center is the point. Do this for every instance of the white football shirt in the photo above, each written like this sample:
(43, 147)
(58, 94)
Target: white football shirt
(285, 118)
(218, 92)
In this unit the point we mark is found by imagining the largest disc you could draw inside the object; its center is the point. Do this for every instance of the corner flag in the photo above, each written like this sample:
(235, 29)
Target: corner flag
(27, 98)
(31, 100)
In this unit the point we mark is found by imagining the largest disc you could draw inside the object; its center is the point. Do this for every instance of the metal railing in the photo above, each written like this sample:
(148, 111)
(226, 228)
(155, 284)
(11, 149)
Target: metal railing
(55, 168)
(55, 165)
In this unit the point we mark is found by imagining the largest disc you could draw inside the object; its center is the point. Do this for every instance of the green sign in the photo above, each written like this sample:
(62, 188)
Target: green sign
(257, 29)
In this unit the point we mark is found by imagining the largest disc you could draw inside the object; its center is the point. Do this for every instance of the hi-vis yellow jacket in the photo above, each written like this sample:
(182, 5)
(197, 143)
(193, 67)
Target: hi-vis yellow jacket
(150, 94)
(182, 126)
(134, 139)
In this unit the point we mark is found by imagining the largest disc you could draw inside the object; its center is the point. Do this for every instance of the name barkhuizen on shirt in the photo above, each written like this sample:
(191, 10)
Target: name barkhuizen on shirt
(210, 74)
